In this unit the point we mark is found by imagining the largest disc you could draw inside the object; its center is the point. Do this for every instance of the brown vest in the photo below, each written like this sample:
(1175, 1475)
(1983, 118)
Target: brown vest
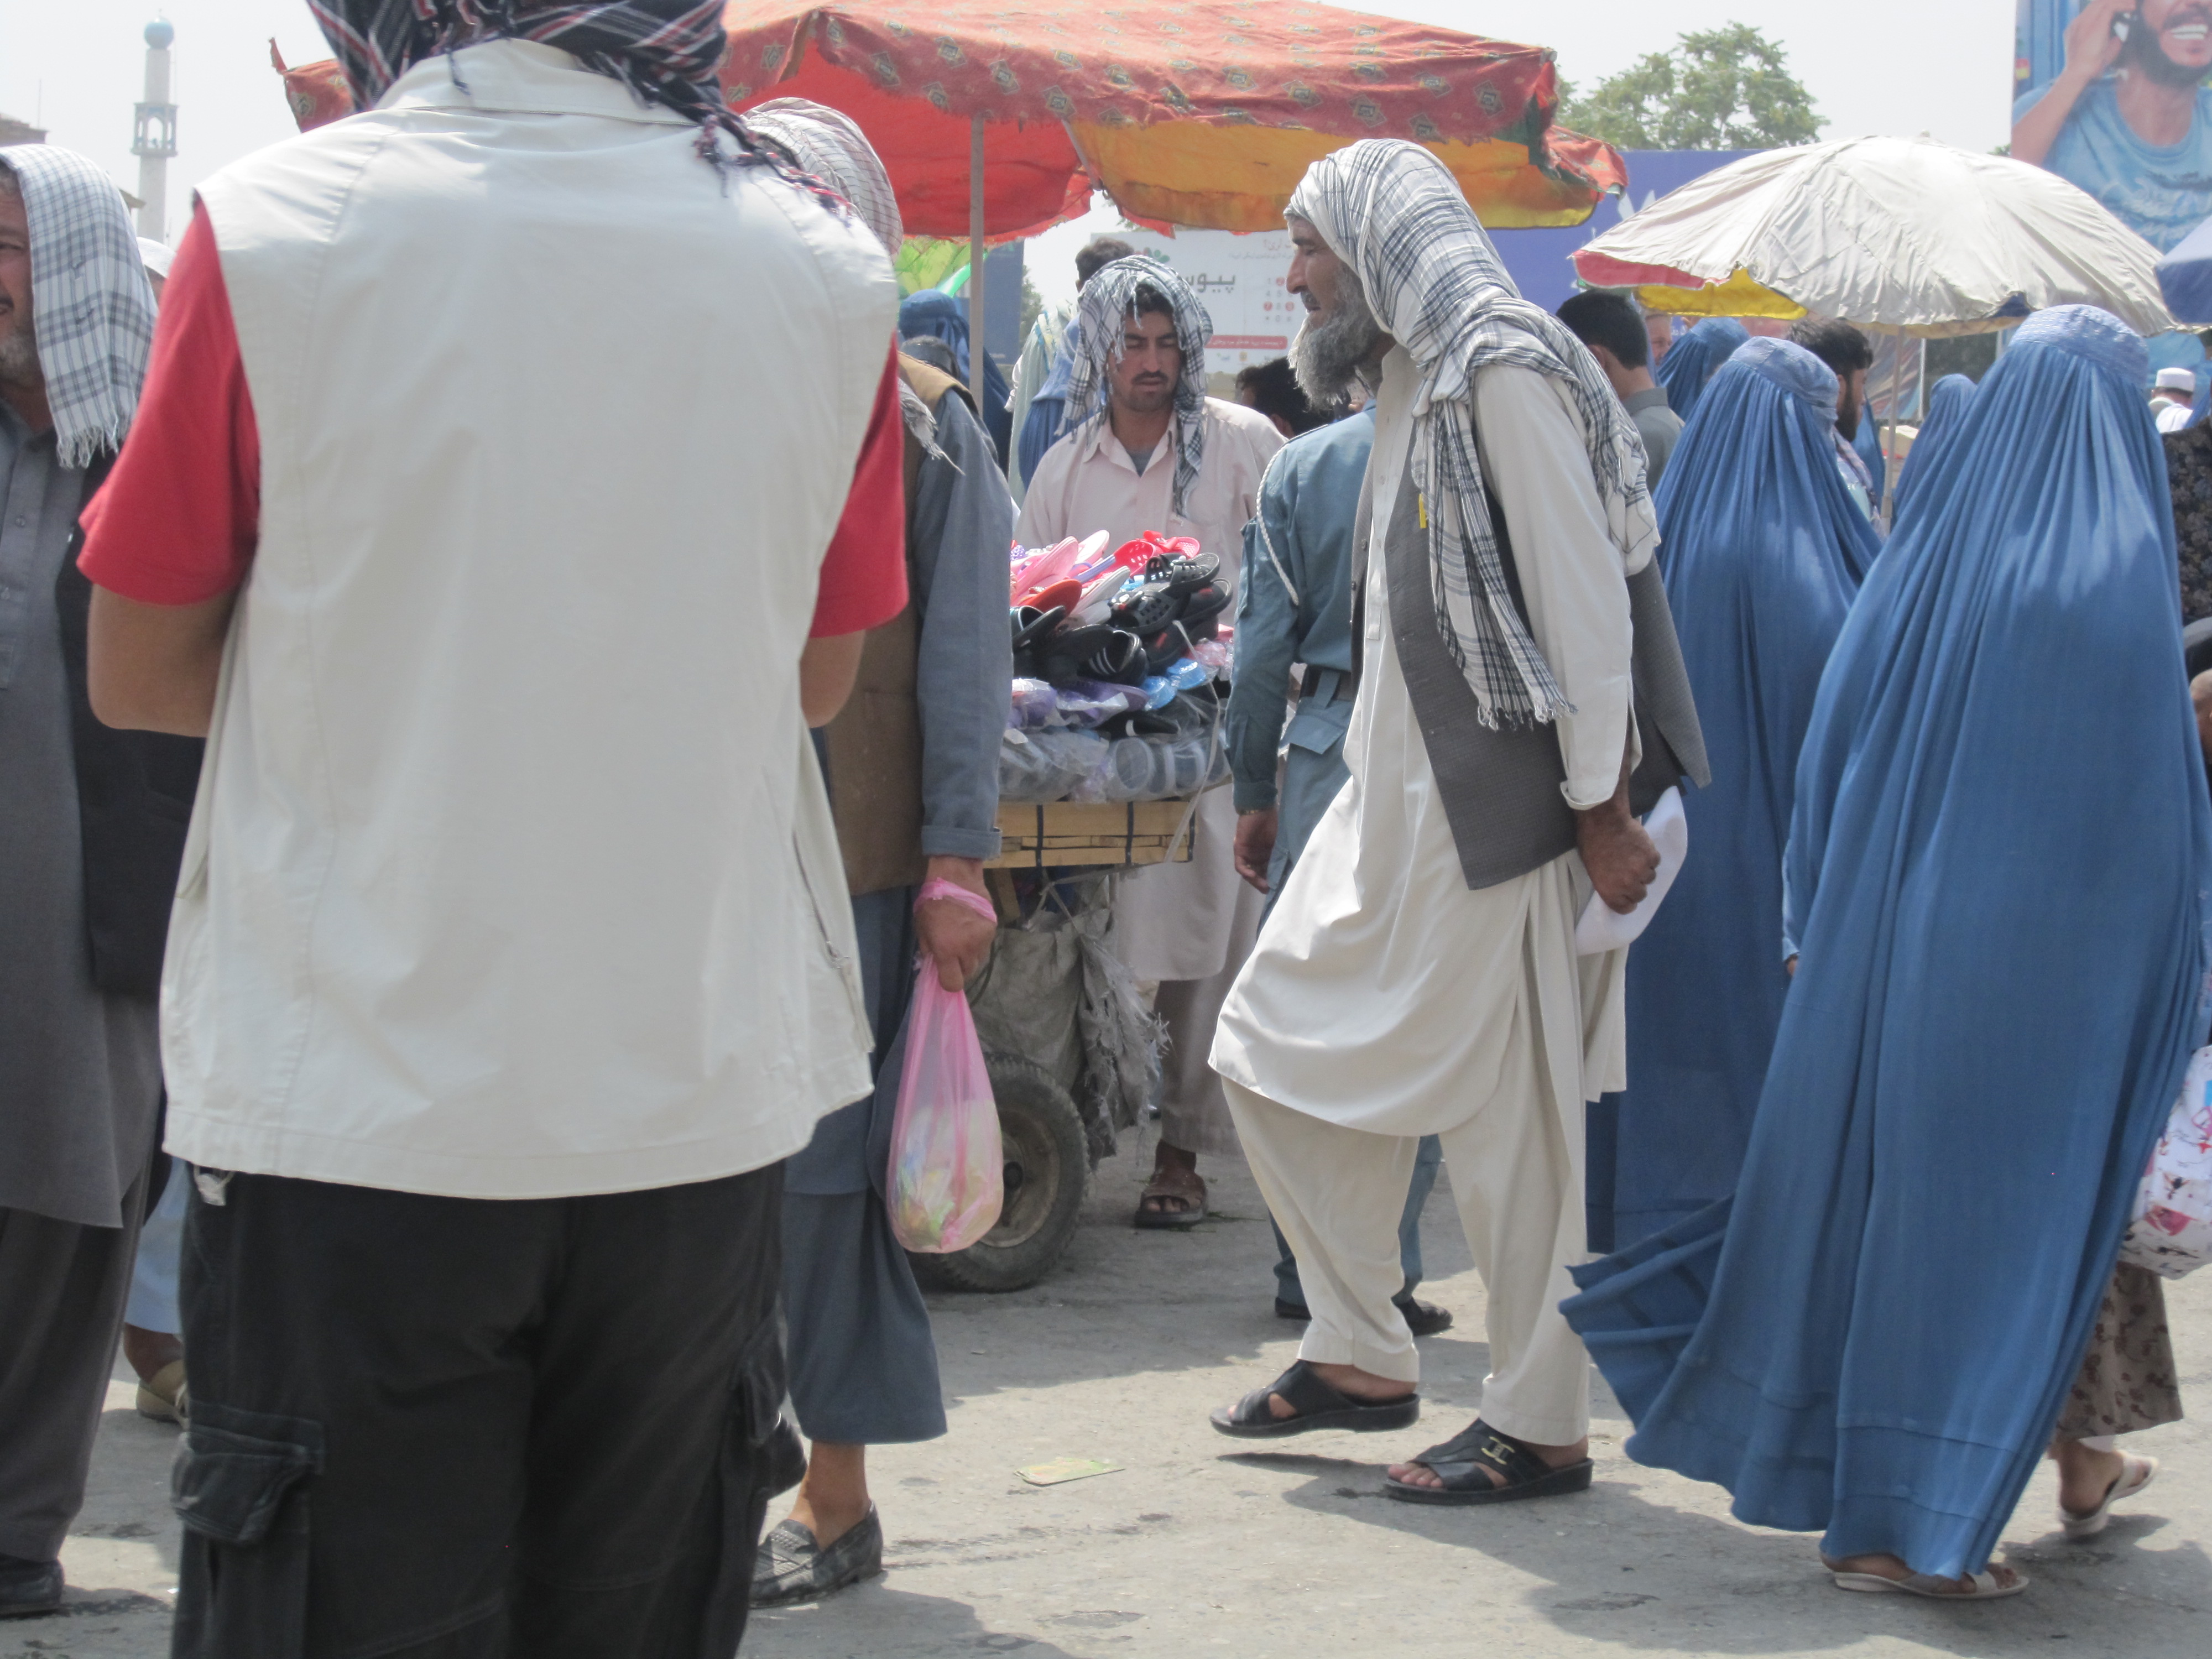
(875, 742)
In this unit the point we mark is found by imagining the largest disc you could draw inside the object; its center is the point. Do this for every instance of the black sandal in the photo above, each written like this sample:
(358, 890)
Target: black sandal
(1521, 1473)
(1313, 1405)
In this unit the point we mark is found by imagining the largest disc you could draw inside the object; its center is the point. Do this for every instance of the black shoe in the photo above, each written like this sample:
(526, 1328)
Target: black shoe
(1291, 1311)
(28, 1589)
(1423, 1318)
(791, 1567)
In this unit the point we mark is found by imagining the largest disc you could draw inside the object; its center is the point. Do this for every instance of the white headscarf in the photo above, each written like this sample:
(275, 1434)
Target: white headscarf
(91, 308)
(1392, 212)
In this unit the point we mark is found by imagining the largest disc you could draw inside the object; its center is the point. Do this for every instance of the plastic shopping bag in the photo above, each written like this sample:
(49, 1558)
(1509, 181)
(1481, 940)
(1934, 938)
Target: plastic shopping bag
(2172, 1232)
(947, 1170)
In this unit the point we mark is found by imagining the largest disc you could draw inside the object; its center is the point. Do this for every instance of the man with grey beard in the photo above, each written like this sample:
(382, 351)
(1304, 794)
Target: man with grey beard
(1419, 974)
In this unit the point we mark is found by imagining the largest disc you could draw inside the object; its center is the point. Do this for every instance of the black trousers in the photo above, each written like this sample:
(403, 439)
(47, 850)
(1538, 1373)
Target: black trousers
(471, 1429)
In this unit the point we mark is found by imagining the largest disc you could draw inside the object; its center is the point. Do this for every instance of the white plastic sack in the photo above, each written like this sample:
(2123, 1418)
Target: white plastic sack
(2172, 1232)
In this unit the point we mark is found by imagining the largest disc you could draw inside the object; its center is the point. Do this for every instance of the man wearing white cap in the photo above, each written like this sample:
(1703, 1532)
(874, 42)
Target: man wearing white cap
(2171, 394)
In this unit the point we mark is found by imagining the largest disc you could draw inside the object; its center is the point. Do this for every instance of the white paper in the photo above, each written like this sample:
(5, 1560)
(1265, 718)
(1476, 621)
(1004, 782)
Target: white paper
(1602, 928)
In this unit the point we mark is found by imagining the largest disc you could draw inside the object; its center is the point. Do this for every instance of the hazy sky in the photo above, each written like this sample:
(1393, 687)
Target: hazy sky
(1877, 66)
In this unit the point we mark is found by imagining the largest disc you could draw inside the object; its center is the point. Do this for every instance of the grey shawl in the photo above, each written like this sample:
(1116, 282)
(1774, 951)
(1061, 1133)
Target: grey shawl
(1108, 300)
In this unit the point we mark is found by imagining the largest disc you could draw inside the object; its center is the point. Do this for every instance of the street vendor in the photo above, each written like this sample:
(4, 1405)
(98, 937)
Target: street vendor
(913, 764)
(1149, 450)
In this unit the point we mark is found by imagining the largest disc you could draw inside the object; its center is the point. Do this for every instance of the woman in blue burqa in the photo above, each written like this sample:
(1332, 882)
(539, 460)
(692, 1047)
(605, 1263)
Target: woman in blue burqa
(1763, 549)
(1996, 871)
(934, 313)
(1693, 360)
(1946, 407)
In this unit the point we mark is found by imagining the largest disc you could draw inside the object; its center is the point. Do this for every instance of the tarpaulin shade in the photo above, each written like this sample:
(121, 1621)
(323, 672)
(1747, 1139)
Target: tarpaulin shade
(1895, 233)
(1202, 114)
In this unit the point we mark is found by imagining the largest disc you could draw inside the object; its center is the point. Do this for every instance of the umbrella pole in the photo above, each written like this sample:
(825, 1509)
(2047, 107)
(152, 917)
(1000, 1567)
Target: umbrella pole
(976, 347)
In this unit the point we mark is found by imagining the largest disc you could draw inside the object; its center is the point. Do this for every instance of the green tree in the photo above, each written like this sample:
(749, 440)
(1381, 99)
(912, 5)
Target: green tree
(1723, 89)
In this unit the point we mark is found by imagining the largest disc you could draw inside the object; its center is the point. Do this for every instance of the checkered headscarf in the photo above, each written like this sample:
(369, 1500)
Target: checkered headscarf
(1108, 300)
(1391, 211)
(667, 51)
(91, 308)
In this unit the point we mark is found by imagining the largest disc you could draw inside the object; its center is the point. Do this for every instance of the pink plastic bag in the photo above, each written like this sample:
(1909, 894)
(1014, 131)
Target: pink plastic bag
(947, 1173)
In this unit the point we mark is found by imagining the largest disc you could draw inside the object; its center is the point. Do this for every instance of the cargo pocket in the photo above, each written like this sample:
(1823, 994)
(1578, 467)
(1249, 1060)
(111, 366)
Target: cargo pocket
(761, 1456)
(239, 1487)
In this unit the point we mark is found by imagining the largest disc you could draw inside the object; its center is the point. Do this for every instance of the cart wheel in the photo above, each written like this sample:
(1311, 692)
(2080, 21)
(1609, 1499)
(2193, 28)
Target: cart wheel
(1047, 1166)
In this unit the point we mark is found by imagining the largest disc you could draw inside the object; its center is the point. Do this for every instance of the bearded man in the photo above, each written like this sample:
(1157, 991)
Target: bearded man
(1419, 973)
(2128, 117)
(1149, 450)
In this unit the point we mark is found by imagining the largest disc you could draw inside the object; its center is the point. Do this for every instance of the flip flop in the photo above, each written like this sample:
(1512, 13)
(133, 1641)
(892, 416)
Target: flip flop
(1313, 1405)
(1986, 1587)
(1520, 1473)
(2138, 1473)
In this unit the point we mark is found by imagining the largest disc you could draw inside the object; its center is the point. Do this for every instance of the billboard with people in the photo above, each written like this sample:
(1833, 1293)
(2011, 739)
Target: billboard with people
(2110, 94)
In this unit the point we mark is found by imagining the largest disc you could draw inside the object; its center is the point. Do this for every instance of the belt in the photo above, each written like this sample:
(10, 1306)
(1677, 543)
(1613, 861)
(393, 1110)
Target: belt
(1326, 685)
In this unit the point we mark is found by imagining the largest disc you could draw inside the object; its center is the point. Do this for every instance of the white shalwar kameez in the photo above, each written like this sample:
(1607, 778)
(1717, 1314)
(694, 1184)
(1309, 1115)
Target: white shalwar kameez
(1386, 1000)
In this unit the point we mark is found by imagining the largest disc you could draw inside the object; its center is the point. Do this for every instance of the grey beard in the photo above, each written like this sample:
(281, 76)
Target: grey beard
(19, 359)
(1331, 346)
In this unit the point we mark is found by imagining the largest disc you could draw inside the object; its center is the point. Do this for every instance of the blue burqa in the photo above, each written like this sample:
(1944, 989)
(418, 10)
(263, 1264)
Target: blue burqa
(1947, 404)
(1997, 870)
(931, 311)
(1763, 549)
(1692, 359)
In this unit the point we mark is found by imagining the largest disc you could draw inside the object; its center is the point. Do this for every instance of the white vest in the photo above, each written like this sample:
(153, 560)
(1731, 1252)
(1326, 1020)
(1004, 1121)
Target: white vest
(510, 873)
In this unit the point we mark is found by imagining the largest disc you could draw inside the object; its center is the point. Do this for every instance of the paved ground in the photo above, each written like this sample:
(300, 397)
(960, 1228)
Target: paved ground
(1196, 1545)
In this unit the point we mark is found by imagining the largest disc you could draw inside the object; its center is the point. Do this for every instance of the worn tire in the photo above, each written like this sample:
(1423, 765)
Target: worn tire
(1047, 1165)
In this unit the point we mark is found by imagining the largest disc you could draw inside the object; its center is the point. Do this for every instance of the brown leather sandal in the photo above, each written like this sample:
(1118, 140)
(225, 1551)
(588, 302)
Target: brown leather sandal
(1188, 1185)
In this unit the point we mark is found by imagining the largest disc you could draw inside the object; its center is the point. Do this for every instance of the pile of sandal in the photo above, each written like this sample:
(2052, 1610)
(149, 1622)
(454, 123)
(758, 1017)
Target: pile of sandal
(1117, 659)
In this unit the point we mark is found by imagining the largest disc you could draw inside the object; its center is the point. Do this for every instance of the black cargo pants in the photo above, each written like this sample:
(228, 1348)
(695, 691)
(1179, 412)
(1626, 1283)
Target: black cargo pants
(443, 1428)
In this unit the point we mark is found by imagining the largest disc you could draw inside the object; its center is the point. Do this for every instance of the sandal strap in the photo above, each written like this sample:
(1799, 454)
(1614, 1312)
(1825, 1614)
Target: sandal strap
(1479, 1443)
(1302, 1389)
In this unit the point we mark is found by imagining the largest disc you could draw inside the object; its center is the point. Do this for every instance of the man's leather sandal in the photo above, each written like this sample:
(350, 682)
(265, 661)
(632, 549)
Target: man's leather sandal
(1313, 1405)
(1459, 1461)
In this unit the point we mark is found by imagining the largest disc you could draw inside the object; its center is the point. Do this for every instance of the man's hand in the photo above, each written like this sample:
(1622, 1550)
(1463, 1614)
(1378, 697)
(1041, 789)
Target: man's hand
(2091, 46)
(1620, 857)
(954, 937)
(1255, 844)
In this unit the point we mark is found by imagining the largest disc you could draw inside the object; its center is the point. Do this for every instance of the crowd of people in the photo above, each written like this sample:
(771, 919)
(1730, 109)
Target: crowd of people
(466, 863)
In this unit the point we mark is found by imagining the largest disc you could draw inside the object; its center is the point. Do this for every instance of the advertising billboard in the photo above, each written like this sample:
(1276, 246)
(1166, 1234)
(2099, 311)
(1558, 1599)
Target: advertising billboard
(2110, 95)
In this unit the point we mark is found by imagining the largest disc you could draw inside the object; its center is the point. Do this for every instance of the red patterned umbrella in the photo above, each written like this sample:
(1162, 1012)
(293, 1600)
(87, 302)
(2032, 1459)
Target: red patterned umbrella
(1203, 113)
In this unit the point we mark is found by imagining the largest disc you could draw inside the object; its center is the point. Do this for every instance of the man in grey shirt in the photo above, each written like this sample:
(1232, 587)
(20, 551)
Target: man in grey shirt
(1609, 323)
(91, 828)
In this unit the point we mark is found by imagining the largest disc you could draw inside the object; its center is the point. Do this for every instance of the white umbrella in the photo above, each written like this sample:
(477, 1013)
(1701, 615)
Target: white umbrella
(1897, 234)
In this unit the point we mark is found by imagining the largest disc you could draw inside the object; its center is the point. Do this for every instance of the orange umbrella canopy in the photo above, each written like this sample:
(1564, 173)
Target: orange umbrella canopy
(1201, 114)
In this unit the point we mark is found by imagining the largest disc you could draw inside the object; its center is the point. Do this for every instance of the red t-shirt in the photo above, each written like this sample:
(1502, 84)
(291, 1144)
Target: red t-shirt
(180, 516)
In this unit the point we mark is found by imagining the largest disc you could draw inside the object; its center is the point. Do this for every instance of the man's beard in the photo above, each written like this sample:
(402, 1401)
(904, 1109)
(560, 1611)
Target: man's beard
(2143, 50)
(19, 358)
(1848, 410)
(1334, 344)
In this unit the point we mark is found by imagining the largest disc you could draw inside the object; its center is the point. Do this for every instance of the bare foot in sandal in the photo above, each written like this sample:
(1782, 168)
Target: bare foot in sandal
(1175, 1195)
(1852, 1572)
(1421, 1477)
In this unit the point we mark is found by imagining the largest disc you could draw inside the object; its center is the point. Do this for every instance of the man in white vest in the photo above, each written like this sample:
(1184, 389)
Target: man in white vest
(510, 955)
